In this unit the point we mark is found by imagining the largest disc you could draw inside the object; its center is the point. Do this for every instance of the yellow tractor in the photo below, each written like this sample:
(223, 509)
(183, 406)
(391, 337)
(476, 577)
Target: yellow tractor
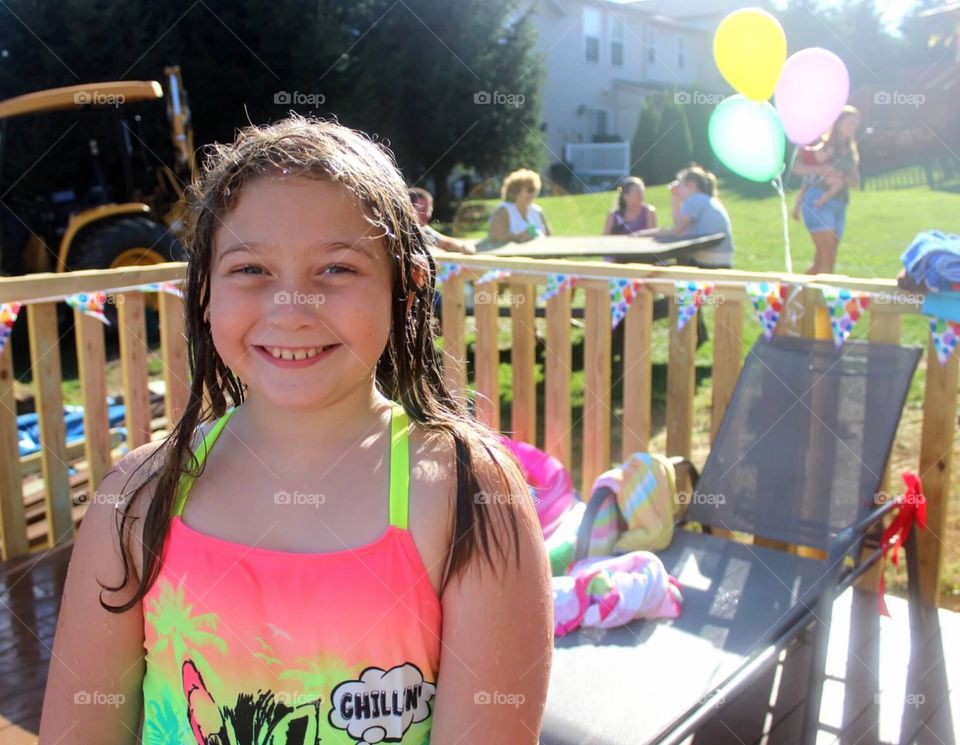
(127, 215)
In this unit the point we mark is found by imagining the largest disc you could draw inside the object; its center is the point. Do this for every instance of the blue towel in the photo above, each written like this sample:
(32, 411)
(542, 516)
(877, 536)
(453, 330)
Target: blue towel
(945, 305)
(28, 428)
(933, 260)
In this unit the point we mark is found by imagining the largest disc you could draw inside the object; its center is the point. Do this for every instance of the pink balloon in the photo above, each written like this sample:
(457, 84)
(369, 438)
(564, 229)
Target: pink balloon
(811, 93)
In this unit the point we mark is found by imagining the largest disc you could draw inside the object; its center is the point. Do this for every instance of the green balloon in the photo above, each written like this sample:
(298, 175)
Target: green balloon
(748, 138)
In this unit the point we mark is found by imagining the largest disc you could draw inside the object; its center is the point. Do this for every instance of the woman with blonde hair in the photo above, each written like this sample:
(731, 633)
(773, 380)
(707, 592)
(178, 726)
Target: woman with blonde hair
(631, 213)
(517, 219)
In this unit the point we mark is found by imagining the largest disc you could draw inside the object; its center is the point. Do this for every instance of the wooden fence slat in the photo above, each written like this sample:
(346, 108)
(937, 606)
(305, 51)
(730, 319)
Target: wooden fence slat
(727, 358)
(936, 464)
(885, 328)
(523, 350)
(558, 361)
(173, 353)
(133, 361)
(13, 524)
(453, 321)
(597, 362)
(637, 374)
(93, 385)
(681, 384)
(48, 387)
(486, 357)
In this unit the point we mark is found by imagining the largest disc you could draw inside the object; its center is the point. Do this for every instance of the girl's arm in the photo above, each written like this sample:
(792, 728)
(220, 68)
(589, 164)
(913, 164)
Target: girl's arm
(652, 219)
(96, 671)
(546, 225)
(497, 635)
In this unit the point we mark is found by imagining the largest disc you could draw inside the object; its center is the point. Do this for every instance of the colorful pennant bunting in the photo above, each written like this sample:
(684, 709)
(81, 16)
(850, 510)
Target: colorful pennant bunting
(945, 335)
(90, 303)
(492, 276)
(767, 299)
(170, 287)
(691, 295)
(622, 294)
(846, 307)
(447, 271)
(556, 283)
(8, 316)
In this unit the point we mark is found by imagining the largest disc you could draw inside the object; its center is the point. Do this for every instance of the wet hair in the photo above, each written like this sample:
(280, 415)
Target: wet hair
(408, 371)
(517, 181)
(700, 177)
(627, 185)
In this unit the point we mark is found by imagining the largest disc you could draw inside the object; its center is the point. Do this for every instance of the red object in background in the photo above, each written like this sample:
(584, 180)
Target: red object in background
(912, 508)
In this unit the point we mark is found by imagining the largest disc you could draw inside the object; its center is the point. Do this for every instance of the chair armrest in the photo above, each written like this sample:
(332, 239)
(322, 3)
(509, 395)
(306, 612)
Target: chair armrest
(589, 517)
(849, 536)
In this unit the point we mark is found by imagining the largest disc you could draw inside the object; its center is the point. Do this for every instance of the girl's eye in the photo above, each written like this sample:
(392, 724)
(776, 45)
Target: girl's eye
(339, 267)
(242, 269)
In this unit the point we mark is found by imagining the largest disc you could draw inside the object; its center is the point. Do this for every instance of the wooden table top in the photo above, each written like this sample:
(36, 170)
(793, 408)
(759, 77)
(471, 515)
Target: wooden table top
(646, 249)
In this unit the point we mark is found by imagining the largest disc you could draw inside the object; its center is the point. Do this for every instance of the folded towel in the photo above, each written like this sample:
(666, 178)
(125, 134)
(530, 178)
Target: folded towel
(933, 259)
(646, 487)
(609, 591)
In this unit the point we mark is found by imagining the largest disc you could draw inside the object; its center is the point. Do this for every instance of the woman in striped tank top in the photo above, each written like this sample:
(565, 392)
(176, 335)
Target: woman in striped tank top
(305, 558)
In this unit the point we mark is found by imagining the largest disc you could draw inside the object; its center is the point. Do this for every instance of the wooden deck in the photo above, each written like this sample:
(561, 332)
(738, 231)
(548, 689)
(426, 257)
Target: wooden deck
(882, 687)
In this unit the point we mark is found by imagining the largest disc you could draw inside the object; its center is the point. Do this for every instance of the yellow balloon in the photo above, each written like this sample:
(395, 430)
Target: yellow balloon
(750, 48)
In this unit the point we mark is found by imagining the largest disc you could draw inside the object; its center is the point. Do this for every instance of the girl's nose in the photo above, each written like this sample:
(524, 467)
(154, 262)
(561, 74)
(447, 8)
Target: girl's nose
(293, 306)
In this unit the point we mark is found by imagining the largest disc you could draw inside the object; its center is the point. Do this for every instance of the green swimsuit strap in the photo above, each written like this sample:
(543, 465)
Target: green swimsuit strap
(186, 479)
(399, 466)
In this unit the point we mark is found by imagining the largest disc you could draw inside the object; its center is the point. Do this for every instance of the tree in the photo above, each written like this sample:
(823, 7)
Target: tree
(644, 139)
(673, 148)
(404, 72)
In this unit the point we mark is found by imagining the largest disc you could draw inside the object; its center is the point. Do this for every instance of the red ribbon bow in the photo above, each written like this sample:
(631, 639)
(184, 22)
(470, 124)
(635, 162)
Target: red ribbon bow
(911, 508)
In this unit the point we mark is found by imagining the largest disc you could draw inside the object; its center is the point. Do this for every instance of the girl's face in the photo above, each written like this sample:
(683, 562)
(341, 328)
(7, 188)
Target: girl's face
(633, 196)
(848, 126)
(295, 268)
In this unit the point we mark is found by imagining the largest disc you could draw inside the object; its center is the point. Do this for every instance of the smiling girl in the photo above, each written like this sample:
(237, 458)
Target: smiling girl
(327, 547)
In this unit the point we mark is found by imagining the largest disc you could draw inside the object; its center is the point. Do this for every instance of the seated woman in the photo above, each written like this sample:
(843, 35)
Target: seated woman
(697, 211)
(631, 213)
(517, 219)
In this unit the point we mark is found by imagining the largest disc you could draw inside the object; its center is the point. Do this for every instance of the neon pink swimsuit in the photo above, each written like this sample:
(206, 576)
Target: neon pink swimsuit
(254, 646)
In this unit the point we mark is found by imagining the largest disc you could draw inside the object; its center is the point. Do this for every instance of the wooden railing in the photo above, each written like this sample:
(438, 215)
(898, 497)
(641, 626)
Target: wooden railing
(934, 456)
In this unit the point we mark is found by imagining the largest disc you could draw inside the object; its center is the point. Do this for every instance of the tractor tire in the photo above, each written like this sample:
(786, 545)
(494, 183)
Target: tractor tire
(126, 241)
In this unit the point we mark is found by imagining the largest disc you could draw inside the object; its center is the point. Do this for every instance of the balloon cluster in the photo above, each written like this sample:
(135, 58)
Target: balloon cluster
(810, 89)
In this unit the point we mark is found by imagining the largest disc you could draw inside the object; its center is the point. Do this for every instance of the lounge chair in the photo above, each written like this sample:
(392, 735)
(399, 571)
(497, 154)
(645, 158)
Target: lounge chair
(798, 460)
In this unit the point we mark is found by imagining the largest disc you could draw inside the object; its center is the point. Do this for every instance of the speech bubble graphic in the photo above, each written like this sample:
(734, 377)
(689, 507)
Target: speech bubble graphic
(381, 705)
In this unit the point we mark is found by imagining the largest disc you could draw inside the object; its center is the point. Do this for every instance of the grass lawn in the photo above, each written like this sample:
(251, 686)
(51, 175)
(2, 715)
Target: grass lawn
(880, 225)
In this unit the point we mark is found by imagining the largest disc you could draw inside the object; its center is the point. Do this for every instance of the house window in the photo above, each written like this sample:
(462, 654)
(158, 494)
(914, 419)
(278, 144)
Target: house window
(681, 52)
(591, 33)
(651, 44)
(601, 122)
(616, 40)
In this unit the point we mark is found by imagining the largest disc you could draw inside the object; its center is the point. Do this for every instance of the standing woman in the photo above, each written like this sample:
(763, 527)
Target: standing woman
(632, 212)
(826, 221)
(517, 219)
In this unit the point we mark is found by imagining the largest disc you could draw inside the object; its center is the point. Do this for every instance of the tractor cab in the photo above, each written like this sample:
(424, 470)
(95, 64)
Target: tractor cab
(96, 176)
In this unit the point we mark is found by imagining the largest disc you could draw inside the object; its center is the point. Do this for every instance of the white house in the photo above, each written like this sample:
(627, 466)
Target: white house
(602, 58)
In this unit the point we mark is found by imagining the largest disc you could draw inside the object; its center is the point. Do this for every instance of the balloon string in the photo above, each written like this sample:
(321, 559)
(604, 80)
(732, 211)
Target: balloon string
(778, 185)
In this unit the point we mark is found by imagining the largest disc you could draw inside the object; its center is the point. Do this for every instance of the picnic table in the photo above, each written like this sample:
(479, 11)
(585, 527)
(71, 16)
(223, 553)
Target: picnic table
(645, 249)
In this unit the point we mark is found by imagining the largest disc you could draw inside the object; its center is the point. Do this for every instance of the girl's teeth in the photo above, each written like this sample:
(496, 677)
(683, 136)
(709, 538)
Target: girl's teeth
(298, 354)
